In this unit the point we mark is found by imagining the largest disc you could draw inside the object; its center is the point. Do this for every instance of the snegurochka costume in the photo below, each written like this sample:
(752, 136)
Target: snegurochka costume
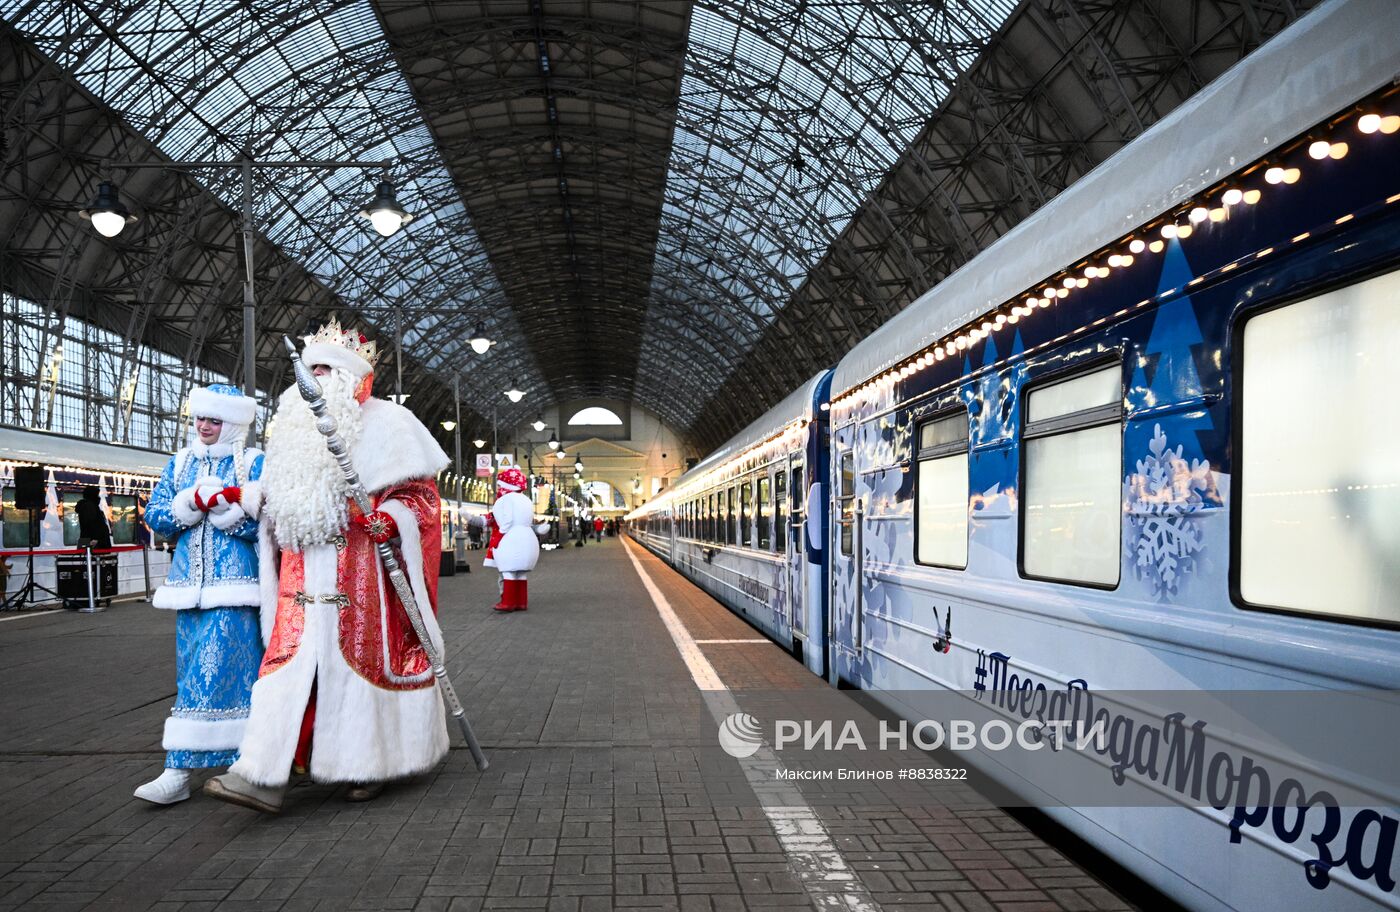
(207, 501)
(345, 689)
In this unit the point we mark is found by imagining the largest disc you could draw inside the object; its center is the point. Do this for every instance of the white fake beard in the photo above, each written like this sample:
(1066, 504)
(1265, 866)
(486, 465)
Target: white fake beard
(306, 494)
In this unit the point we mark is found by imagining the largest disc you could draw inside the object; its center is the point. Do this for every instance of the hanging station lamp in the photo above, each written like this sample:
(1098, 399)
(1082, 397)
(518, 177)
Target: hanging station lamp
(384, 211)
(479, 342)
(106, 212)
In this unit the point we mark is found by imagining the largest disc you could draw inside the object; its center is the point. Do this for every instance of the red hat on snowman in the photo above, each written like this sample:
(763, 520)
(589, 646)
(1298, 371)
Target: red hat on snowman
(510, 479)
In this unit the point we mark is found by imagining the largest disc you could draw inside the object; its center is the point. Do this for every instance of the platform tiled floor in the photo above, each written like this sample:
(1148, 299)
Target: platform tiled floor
(607, 788)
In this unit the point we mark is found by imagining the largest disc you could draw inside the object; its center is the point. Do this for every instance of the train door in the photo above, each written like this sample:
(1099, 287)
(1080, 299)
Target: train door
(844, 633)
(788, 543)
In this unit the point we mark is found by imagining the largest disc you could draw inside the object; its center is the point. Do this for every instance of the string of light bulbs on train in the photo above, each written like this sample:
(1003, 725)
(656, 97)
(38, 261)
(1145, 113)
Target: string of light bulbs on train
(1213, 207)
(1181, 225)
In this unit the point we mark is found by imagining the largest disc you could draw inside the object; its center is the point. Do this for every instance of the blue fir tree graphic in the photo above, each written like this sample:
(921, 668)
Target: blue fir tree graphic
(1171, 480)
(1173, 341)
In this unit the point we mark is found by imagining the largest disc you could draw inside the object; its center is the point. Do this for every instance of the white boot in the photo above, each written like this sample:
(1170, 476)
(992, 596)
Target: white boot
(169, 787)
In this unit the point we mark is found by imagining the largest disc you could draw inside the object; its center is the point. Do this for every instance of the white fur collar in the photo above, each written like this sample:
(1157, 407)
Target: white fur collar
(395, 447)
(200, 450)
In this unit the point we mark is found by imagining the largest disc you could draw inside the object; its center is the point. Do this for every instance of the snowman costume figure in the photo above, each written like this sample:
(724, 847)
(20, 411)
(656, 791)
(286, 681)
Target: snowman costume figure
(207, 501)
(518, 549)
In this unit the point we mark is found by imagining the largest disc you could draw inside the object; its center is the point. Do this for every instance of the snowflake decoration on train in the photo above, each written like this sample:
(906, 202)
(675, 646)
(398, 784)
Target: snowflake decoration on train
(1162, 496)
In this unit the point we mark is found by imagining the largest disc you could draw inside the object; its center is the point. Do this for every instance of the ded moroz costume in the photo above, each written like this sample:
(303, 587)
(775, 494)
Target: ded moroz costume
(207, 500)
(518, 548)
(345, 688)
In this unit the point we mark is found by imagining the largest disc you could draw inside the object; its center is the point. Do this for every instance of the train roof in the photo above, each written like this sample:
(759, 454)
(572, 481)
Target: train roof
(795, 405)
(60, 450)
(1327, 60)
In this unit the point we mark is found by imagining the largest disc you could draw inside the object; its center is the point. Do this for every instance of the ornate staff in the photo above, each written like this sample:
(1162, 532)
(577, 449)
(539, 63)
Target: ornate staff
(311, 392)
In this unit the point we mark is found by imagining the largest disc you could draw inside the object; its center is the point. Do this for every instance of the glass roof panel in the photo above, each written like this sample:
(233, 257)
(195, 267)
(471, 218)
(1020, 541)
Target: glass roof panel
(790, 115)
(214, 78)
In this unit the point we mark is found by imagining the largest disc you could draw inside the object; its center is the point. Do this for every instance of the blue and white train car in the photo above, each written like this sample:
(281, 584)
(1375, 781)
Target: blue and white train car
(747, 524)
(1147, 442)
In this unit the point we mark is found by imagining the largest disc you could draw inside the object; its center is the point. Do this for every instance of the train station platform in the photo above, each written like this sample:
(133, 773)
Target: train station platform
(608, 786)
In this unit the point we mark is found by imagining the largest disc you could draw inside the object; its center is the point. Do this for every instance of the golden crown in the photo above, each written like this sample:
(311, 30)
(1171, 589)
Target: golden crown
(331, 333)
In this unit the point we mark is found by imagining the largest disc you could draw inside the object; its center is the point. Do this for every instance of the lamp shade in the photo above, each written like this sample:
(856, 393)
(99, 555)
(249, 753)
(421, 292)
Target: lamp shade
(106, 211)
(384, 211)
(479, 342)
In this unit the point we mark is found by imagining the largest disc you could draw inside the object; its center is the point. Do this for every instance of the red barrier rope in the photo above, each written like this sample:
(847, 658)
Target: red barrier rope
(50, 552)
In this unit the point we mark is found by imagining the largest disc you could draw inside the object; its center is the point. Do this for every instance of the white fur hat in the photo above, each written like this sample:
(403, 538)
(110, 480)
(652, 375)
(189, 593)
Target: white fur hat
(224, 402)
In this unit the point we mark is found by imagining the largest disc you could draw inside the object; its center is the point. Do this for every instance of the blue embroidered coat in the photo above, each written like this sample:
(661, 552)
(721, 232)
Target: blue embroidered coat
(215, 563)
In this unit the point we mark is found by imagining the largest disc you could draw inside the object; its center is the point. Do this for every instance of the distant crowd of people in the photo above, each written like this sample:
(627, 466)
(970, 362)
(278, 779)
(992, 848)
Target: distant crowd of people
(582, 528)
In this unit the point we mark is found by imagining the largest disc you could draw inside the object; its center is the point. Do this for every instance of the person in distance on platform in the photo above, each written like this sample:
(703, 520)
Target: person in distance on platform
(345, 689)
(207, 501)
(518, 548)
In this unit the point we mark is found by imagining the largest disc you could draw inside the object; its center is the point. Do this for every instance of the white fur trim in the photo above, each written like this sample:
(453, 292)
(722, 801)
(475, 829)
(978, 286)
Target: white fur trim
(236, 596)
(177, 598)
(274, 724)
(411, 555)
(363, 733)
(182, 505)
(250, 498)
(205, 403)
(268, 559)
(335, 356)
(395, 447)
(202, 734)
(182, 598)
(225, 520)
(201, 450)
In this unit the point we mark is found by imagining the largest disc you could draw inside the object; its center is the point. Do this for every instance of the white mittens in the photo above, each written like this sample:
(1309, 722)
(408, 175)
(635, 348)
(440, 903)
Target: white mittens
(209, 488)
(182, 505)
(227, 518)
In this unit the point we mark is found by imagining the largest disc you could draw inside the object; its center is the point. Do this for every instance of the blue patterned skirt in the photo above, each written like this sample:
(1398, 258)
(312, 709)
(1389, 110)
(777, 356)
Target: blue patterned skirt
(217, 655)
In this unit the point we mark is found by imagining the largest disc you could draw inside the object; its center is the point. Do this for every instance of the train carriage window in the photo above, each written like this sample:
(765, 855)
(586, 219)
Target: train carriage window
(779, 509)
(745, 512)
(765, 512)
(847, 502)
(1072, 457)
(68, 509)
(732, 496)
(1318, 508)
(123, 509)
(942, 483)
(15, 521)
